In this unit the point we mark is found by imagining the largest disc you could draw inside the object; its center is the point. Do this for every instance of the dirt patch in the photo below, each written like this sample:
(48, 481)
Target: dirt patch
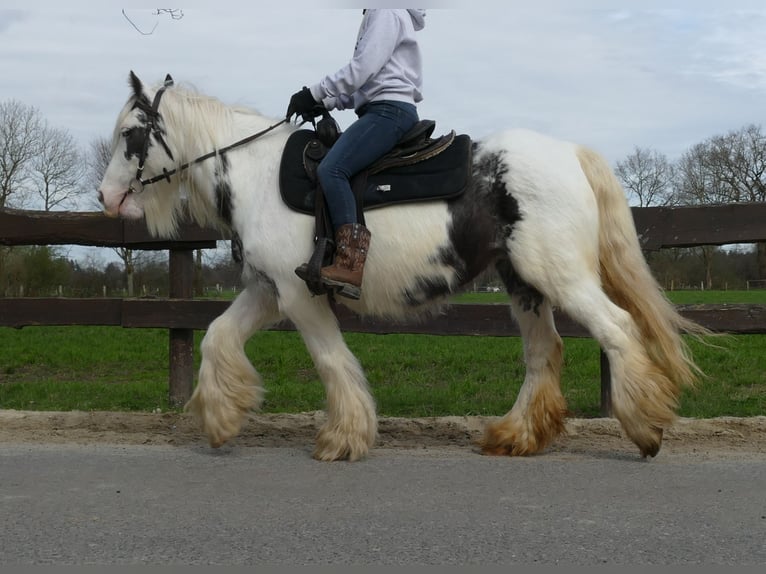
(720, 437)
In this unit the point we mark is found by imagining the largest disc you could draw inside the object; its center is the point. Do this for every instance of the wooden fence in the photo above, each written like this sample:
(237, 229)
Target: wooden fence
(181, 314)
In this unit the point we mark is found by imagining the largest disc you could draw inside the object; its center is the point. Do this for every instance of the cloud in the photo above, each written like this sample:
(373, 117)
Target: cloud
(613, 78)
(9, 17)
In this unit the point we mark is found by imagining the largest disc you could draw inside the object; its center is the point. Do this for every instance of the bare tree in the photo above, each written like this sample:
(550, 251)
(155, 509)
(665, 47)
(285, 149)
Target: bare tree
(57, 169)
(174, 13)
(732, 168)
(99, 156)
(700, 183)
(19, 140)
(727, 169)
(648, 176)
(36, 159)
(20, 127)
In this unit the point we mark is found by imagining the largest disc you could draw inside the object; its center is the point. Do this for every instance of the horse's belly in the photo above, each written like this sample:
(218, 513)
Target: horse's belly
(406, 270)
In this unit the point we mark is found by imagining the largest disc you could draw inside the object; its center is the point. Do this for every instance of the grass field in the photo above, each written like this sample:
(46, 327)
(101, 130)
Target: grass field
(108, 368)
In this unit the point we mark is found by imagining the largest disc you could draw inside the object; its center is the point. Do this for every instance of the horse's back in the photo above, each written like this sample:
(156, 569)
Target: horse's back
(543, 174)
(536, 160)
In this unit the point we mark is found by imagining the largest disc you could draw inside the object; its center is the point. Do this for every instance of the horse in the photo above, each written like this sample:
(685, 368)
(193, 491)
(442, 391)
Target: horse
(550, 215)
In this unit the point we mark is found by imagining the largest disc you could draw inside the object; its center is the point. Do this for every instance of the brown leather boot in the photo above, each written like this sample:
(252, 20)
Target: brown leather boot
(345, 274)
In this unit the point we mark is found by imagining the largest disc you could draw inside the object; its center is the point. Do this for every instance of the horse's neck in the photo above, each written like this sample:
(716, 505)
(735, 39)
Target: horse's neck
(211, 180)
(202, 137)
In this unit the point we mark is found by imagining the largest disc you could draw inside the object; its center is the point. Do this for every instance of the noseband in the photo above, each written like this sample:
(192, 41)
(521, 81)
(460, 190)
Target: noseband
(137, 185)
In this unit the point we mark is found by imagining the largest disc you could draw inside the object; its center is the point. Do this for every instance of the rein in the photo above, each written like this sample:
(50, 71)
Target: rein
(138, 184)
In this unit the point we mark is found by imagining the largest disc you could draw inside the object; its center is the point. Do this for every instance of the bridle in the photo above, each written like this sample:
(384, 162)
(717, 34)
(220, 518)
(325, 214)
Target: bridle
(138, 184)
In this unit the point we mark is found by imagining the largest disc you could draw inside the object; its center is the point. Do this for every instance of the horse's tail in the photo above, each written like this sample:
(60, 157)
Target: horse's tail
(629, 282)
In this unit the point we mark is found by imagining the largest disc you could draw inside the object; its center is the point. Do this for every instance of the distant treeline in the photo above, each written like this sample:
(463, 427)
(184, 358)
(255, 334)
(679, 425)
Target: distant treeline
(46, 271)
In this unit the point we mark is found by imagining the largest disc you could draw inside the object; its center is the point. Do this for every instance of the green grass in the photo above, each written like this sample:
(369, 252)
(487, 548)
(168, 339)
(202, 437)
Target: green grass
(108, 368)
(678, 297)
(87, 368)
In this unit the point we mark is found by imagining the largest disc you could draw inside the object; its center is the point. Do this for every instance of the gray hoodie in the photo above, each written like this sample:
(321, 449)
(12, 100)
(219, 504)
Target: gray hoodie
(386, 63)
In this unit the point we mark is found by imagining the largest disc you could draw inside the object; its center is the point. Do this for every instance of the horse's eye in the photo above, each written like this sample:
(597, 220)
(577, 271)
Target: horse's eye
(135, 141)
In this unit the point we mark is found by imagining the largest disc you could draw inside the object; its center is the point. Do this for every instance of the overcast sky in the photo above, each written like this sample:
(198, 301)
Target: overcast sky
(613, 75)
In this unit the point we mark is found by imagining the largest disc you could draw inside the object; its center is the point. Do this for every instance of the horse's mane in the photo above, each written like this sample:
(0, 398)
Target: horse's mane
(186, 111)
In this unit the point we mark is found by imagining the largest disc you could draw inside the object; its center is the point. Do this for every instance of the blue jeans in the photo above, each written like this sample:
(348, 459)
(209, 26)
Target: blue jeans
(379, 127)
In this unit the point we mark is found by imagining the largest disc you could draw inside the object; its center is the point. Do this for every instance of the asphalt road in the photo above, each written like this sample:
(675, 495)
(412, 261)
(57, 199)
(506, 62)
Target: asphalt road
(128, 504)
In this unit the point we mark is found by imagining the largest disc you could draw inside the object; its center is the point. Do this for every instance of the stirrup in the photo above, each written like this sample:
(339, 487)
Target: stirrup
(343, 289)
(311, 272)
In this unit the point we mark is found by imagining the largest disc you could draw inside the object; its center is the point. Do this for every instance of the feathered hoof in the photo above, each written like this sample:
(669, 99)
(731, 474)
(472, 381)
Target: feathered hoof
(508, 438)
(219, 426)
(219, 434)
(514, 435)
(332, 444)
(498, 444)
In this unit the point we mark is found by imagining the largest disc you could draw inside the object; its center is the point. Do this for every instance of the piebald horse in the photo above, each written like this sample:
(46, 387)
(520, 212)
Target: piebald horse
(548, 214)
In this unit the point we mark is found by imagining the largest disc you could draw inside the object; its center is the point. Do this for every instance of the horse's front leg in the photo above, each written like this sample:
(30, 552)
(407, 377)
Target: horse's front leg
(351, 426)
(229, 387)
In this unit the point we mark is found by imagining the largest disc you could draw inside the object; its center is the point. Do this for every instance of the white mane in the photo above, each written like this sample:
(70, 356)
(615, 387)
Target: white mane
(195, 124)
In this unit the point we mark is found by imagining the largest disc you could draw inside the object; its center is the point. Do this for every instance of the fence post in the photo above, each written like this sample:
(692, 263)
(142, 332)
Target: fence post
(181, 340)
(606, 385)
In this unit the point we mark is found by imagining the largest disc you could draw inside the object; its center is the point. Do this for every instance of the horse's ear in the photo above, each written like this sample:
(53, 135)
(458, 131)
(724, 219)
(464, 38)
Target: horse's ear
(168, 81)
(138, 87)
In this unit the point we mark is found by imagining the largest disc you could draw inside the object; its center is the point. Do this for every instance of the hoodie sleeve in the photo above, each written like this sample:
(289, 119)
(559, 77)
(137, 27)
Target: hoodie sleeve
(377, 41)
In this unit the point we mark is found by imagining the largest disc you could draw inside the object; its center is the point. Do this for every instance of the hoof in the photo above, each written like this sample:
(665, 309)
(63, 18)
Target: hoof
(334, 444)
(652, 449)
(496, 450)
(498, 442)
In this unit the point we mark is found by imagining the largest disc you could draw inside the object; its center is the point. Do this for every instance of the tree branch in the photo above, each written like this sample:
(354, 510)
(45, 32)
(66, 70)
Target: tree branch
(174, 13)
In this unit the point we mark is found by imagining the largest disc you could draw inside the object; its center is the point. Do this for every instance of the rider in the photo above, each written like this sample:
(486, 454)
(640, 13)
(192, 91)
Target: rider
(382, 83)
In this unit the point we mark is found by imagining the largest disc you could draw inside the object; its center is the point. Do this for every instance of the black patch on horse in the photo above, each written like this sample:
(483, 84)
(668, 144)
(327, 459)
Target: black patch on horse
(258, 276)
(236, 248)
(492, 170)
(223, 189)
(426, 289)
(529, 298)
(480, 220)
(134, 141)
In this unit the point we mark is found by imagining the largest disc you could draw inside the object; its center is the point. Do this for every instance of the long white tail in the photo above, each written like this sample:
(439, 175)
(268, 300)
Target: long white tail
(629, 283)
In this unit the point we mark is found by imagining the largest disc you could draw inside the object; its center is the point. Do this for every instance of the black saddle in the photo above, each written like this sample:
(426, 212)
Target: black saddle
(417, 169)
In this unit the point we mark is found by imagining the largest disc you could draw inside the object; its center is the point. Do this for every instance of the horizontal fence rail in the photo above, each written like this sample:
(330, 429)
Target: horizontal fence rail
(660, 227)
(94, 229)
(657, 227)
(470, 319)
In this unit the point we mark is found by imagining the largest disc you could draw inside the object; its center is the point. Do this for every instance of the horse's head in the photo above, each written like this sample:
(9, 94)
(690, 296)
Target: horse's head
(139, 150)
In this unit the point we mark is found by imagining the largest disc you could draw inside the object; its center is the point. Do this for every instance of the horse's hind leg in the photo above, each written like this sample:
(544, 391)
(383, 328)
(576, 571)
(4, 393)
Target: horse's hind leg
(641, 401)
(537, 416)
(229, 387)
(351, 426)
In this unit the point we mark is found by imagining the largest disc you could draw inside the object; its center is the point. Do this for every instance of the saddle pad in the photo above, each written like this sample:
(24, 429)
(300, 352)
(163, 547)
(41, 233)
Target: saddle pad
(442, 177)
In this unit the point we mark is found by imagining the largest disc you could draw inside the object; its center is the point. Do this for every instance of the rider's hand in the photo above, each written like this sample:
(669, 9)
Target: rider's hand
(303, 104)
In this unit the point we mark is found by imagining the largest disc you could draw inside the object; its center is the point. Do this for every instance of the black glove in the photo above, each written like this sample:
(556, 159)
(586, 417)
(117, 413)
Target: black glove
(304, 104)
